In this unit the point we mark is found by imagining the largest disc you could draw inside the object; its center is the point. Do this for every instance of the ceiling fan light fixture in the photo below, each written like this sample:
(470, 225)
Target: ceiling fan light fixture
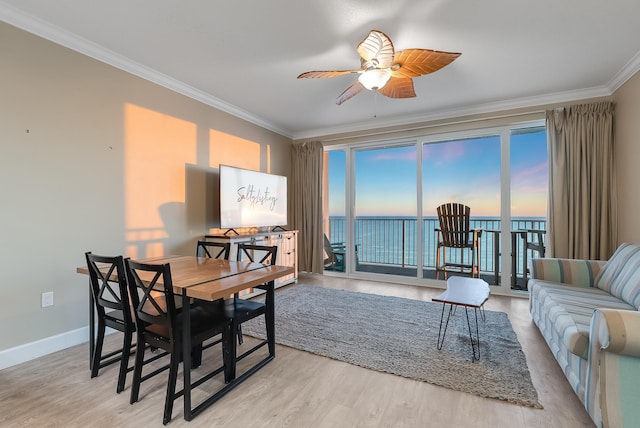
(385, 70)
(375, 78)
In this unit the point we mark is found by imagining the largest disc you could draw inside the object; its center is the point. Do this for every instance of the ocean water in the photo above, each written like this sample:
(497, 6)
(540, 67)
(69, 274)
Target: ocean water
(393, 240)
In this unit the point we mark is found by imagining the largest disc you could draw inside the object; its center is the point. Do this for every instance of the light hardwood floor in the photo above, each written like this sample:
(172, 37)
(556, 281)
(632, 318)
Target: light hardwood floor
(297, 389)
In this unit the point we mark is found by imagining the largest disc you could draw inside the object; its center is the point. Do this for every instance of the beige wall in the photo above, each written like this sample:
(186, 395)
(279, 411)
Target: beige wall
(627, 137)
(95, 159)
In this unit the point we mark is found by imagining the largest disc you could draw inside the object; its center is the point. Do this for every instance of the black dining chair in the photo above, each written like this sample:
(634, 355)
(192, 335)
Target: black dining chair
(265, 254)
(242, 310)
(111, 302)
(213, 250)
(159, 324)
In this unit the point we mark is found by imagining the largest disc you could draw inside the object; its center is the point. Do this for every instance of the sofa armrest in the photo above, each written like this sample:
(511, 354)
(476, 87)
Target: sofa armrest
(566, 271)
(612, 390)
(617, 331)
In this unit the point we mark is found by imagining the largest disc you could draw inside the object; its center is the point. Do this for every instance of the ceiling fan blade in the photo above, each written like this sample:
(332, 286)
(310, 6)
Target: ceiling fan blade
(377, 50)
(398, 87)
(353, 90)
(417, 62)
(325, 74)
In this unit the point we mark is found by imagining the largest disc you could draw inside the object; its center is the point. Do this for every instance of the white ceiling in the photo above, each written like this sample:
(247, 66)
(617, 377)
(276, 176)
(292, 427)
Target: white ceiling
(243, 56)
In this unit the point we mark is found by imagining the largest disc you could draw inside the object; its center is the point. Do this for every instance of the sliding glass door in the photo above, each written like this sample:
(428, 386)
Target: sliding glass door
(465, 171)
(336, 254)
(529, 193)
(385, 207)
(381, 201)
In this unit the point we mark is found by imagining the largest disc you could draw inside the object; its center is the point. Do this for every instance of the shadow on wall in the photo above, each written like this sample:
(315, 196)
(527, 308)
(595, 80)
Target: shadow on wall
(202, 196)
(186, 223)
(174, 217)
(183, 223)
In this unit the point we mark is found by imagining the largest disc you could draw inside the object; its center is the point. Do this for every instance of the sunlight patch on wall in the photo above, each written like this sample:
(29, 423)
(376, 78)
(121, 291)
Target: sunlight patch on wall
(230, 150)
(157, 149)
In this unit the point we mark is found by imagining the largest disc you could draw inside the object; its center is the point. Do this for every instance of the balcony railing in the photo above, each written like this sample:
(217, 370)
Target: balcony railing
(391, 242)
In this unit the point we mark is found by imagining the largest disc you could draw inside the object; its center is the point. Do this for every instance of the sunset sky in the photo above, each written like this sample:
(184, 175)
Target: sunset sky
(466, 171)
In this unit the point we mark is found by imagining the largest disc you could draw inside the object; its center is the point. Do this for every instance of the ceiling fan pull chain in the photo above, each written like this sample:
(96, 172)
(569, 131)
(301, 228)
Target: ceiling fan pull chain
(375, 104)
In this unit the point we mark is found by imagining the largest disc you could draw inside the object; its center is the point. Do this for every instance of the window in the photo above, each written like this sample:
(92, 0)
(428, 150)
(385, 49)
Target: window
(381, 200)
(385, 210)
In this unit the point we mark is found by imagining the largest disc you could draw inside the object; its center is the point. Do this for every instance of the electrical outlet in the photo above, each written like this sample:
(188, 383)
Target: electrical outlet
(47, 299)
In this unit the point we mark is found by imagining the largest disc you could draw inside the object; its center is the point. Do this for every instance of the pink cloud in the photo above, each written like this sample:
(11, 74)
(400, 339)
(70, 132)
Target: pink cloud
(444, 152)
(534, 170)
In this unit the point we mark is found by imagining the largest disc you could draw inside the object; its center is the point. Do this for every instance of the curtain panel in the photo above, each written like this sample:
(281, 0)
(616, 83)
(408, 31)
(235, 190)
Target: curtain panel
(582, 186)
(306, 198)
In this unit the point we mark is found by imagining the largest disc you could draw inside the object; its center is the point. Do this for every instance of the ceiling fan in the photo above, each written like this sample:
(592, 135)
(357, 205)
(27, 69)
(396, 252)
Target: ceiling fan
(387, 71)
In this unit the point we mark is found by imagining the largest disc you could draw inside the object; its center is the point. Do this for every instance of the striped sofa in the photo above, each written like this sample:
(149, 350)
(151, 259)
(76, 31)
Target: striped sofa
(588, 313)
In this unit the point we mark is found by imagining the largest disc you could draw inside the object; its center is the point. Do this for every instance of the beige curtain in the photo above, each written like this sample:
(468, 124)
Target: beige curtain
(306, 201)
(582, 188)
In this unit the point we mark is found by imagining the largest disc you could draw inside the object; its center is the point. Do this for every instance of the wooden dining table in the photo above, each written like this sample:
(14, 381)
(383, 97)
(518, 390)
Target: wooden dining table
(209, 280)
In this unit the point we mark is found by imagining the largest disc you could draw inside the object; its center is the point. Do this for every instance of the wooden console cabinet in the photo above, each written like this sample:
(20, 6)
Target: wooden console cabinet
(286, 241)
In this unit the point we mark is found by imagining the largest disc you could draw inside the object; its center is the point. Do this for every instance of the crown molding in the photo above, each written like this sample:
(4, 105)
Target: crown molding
(46, 30)
(483, 108)
(629, 69)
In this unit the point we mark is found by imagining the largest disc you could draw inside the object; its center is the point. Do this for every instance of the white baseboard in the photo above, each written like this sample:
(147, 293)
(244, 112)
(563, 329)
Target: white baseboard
(29, 351)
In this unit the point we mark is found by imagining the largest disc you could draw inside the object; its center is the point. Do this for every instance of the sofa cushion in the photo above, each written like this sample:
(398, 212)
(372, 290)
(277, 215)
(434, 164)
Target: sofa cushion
(620, 276)
(567, 311)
